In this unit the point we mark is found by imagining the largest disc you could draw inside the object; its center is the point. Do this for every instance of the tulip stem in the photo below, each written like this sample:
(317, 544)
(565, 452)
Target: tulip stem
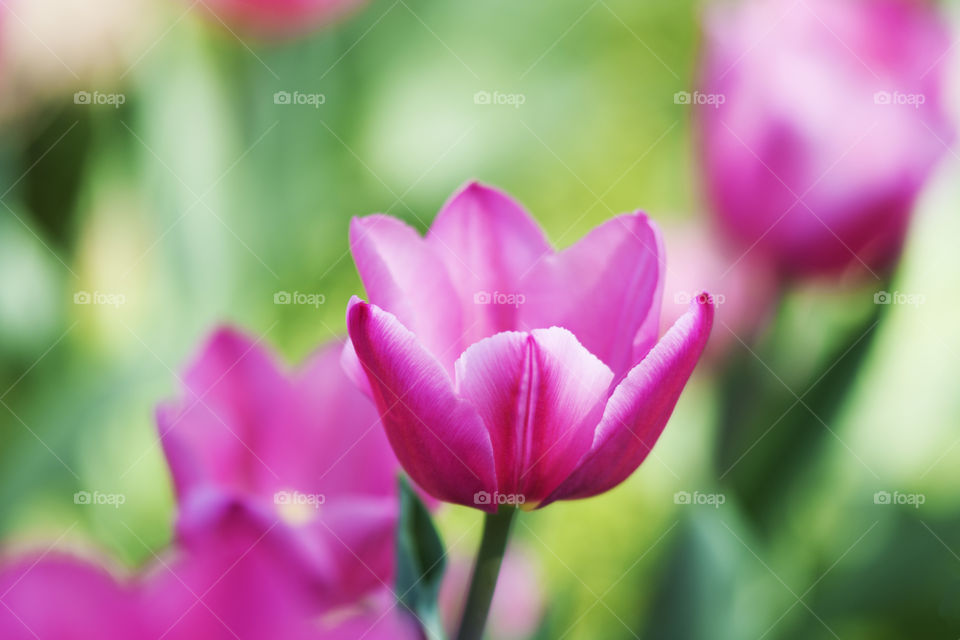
(486, 569)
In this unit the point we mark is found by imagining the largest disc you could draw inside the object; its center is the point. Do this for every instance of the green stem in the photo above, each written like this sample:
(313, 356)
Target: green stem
(496, 532)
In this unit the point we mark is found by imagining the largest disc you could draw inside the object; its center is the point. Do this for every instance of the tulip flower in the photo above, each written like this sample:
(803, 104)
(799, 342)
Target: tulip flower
(54, 596)
(506, 372)
(240, 579)
(820, 122)
(302, 453)
(278, 17)
(239, 584)
(509, 374)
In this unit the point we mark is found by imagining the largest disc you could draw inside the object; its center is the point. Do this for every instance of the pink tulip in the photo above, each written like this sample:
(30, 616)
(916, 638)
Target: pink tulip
(237, 583)
(278, 17)
(820, 122)
(505, 371)
(303, 454)
(57, 597)
(241, 579)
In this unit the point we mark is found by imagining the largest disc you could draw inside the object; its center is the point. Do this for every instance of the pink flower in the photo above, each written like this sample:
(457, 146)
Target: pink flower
(826, 119)
(278, 17)
(58, 597)
(507, 372)
(240, 582)
(302, 454)
(241, 579)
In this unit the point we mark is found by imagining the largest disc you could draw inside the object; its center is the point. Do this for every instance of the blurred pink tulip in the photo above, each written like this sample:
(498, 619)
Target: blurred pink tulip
(58, 597)
(239, 583)
(272, 18)
(241, 579)
(302, 453)
(820, 121)
(518, 603)
(507, 372)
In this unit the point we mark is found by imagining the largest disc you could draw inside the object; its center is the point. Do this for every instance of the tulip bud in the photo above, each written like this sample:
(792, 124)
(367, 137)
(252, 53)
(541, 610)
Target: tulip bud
(832, 118)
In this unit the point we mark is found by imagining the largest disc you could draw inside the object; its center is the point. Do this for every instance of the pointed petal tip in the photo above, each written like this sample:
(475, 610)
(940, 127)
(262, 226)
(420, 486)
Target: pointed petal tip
(226, 337)
(227, 343)
(490, 199)
(474, 187)
(358, 313)
(704, 303)
(354, 301)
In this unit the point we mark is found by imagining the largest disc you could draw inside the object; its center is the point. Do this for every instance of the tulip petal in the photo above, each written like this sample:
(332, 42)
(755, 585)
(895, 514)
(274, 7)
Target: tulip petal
(439, 439)
(606, 289)
(214, 517)
(361, 536)
(402, 274)
(243, 419)
(235, 395)
(320, 441)
(640, 406)
(240, 577)
(488, 243)
(61, 597)
(381, 617)
(541, 395)
(335, 444)
(354, 370)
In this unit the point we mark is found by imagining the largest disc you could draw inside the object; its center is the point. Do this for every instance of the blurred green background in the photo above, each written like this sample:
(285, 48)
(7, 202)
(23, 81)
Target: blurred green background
(199, 198)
